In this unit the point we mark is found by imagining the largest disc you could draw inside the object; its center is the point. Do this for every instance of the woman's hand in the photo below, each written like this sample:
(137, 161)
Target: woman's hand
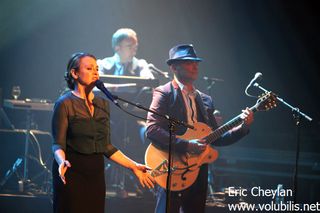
(139, 170)
(144, 177)
(63, 169)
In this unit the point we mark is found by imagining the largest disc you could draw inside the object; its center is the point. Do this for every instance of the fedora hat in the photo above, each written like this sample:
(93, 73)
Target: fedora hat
(182, 52)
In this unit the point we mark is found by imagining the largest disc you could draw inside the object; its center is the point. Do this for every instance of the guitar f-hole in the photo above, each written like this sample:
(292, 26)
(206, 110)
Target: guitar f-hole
(184, 173)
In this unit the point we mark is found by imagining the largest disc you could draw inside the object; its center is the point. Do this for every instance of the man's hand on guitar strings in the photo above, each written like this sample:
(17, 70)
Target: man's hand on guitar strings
(196, 146)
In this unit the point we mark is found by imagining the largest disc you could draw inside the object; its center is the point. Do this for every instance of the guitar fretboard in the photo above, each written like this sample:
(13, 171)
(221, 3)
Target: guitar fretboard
(226, 127)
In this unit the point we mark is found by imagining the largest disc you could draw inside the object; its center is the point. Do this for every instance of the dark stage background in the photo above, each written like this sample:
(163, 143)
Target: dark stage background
(236, 38)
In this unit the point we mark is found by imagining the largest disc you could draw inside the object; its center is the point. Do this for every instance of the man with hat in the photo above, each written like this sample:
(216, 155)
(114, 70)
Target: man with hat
(181, 100)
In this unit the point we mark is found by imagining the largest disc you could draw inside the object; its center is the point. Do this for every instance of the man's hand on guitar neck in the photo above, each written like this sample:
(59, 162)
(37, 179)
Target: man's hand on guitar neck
(196, 146)
(247, 116)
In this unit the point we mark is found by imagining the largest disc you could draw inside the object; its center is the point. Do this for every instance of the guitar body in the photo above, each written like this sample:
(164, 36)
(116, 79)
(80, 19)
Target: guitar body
(185, 167)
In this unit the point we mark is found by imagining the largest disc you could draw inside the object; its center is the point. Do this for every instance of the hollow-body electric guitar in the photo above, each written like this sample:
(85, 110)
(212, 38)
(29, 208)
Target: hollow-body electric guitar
(185, 167)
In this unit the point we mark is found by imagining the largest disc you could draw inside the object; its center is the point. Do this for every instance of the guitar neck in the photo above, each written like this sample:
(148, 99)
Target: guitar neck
(236, 121)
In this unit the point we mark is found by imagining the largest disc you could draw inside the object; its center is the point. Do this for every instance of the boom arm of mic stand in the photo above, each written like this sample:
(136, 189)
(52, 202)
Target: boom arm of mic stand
(167, 117)
(294, 109)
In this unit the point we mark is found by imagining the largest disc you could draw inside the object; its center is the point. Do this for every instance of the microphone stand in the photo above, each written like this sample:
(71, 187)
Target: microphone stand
(158, 71)
(209, 87)
(297, 114)
(172, 124)
(211, 82)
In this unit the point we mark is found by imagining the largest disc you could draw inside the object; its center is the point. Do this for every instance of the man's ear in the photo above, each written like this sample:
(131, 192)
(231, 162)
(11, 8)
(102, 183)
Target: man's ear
(174, 68)
(74, 74)
(116, 48)
(171, 68)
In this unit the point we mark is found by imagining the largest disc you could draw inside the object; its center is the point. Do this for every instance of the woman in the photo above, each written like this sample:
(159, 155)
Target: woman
(81, 132)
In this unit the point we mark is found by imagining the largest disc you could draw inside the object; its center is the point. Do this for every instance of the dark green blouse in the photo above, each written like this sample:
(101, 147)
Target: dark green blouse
(74, 127)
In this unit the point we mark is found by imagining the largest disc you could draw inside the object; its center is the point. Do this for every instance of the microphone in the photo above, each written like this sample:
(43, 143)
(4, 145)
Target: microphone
(212, 79)
(100, 85)
(257, 76)
(154, 68)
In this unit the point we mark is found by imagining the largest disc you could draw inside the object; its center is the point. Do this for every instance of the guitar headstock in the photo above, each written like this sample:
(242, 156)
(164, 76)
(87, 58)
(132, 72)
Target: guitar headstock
(266, 101)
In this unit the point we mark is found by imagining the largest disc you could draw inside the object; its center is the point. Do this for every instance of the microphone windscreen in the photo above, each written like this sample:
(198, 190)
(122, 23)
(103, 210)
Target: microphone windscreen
(258, 75)
(99, 84)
